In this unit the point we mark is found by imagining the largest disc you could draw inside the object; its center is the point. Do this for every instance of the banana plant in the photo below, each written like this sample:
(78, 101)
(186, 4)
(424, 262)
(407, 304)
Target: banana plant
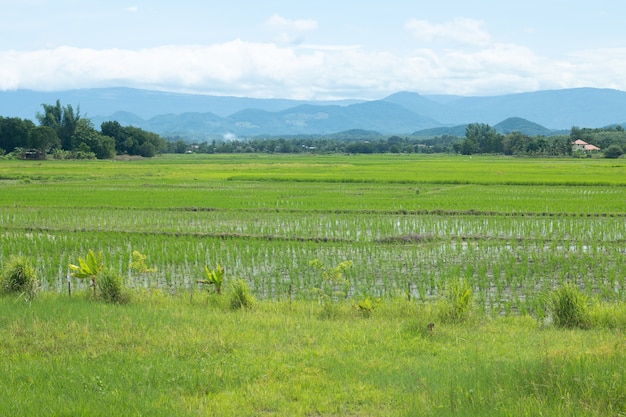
(90, 268)
(214, 277)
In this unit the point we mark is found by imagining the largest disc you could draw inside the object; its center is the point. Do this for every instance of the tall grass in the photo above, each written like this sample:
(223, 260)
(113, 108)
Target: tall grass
(164, 355)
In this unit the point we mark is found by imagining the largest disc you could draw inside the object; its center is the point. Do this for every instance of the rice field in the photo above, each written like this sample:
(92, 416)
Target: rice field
(512, 229)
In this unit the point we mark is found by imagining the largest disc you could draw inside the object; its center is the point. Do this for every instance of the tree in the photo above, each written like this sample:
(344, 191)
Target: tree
(118, 133)
(613, 152)
(63, 120)
(44, 139)
(180, 146)
(14, 133)
(147, 150)
(85, 136)
(483, 137)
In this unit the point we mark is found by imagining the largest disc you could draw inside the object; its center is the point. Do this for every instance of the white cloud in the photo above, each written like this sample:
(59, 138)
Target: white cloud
(132, 9)
(309, 71)
(458, 30)
(290, 31)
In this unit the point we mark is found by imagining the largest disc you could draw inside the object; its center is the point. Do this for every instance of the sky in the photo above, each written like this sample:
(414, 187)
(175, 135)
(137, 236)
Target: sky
(315, 50)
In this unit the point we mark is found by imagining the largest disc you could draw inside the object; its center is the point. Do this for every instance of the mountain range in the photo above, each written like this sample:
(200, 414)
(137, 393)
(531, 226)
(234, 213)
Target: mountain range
(202, 116)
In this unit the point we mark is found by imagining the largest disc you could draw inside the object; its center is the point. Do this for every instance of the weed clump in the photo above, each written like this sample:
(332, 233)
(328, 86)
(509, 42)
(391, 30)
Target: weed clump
(111, 288)
(18, 277)
(456, 305)
(569, 308)
(239, 295)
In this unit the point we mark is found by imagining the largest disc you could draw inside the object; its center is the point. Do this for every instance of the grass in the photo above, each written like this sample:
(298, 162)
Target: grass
(163, 355)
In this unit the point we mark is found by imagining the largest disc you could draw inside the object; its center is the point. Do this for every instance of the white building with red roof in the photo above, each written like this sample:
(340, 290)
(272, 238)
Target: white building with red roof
(581, 145)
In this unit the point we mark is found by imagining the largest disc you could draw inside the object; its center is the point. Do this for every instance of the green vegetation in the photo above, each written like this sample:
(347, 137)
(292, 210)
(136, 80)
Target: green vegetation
(18, 276)
(89, 268)
(569, 307)
(111, 288)
(64, 134)
(163, 356)
(239, 295)
(214, 277)
(440, 285)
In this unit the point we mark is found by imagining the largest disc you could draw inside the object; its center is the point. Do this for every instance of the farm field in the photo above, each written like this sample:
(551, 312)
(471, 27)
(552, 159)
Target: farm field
(511, 228)
(414, 228)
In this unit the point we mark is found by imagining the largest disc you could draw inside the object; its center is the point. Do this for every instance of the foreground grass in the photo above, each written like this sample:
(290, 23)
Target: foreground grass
(172, 356)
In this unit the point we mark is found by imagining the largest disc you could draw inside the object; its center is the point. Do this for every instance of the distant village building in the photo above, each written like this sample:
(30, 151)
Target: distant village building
(581, 145)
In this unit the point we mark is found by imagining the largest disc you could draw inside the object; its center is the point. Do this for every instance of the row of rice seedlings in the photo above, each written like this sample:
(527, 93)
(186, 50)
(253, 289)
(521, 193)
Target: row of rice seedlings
(357, 227)
(157, 192)
(500, 272)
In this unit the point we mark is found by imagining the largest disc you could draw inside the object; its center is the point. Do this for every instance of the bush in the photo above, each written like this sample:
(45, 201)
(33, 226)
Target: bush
(240, 296)
(111, 288)
(613, 152)
(569, 308)
(18, 276)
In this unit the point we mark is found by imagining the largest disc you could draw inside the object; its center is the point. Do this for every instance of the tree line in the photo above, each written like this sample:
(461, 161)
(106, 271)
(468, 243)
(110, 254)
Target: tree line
(479, 138)
(64, 133)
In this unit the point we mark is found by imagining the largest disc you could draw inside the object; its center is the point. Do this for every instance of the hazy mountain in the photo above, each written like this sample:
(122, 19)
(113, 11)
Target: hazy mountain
(517, 124)
(555, 109)
(201, 116)
(458, 130)
(425, 106)
(512, 124)
(144, 103)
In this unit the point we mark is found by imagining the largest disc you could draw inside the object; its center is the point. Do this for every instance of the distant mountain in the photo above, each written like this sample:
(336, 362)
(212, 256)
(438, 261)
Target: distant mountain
(202, 116)
(144, 103)
(556, 109)
(512, 124)
(517, 124)
(424, 106)
(458, 130)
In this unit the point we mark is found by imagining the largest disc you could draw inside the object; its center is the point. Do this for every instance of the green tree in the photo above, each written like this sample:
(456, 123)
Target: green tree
(14, 133)
(180, 146)
(63, 120)
(483, 137)
(44, 139)
(85, 136)
(147, 150)
(613, 152)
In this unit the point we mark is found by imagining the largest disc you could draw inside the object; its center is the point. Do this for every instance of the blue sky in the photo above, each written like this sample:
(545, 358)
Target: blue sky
(313, 50)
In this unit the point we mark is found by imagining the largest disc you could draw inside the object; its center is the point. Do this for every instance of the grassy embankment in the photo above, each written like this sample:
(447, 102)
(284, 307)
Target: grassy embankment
(166, 356)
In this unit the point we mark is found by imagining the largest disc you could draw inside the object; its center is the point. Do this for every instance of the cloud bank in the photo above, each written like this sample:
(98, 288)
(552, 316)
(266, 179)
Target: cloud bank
(288, 68)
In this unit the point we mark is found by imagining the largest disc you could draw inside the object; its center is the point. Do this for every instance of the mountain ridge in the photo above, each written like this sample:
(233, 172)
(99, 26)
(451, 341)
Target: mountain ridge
(198, 116)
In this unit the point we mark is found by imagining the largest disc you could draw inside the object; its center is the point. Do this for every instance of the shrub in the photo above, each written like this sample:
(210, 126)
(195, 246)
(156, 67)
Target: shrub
(365, 307)
(139, 265)
(111, 288)
(569, 308)
(240, 296)
(456, 304)
(613, 152)
(334, 284)
(18, 276)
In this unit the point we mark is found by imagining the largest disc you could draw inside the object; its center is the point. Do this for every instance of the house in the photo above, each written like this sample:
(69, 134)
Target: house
(581, 145)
